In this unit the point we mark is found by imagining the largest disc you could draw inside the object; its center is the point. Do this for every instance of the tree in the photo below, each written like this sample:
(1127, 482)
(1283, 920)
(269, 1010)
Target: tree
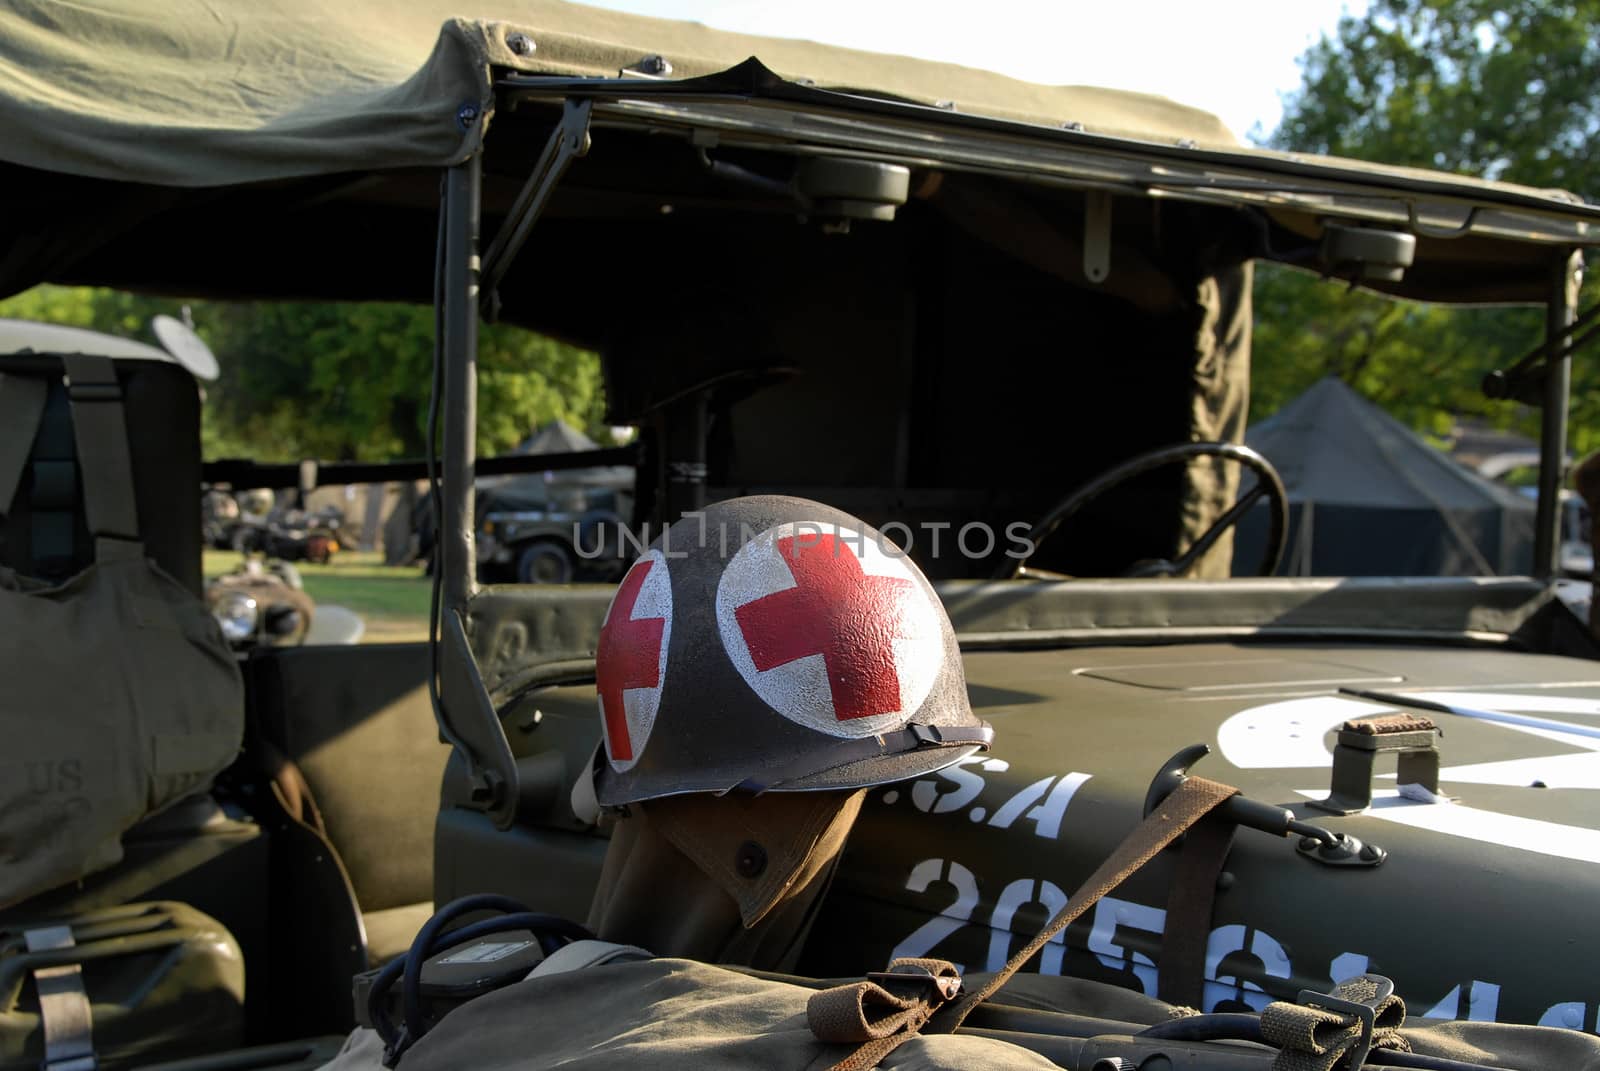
(341, 382)
(1503, 90)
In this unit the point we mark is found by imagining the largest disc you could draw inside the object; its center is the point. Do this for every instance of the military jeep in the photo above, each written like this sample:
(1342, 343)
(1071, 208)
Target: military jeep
(1007, 324)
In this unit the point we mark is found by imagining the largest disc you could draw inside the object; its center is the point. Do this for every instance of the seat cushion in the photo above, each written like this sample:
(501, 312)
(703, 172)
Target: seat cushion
(358, 723)
(391, 931)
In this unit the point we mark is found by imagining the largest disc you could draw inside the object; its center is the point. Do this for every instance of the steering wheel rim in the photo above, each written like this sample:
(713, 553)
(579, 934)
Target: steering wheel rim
(1268, 483)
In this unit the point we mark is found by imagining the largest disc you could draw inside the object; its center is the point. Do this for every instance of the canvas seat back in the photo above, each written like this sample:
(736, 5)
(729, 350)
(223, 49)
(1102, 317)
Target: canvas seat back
(121, 696)
(357, 726)
(43, 527)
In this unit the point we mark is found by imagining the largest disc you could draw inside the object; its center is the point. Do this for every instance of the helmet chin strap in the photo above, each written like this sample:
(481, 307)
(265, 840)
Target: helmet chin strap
(844, 751)
(585, 803)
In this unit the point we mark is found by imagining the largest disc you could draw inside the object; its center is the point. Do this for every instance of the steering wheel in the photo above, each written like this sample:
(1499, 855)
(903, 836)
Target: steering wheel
(1268, 483)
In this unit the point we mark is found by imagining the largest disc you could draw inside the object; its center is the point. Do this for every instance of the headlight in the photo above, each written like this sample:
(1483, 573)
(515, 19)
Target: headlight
(237, 614)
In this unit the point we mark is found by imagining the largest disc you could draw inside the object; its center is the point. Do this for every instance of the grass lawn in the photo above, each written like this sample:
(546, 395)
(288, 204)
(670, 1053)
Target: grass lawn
(393, 601)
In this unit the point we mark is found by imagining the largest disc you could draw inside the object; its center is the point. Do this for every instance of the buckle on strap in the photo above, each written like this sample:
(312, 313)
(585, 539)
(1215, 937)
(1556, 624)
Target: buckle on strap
(922, 982)
(80, 391)
(1374, 991)
(92, 379)
(64, 1010)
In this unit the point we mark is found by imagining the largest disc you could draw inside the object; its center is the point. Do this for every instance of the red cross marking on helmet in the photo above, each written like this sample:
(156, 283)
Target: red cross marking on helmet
(629, 657)
(838, 611)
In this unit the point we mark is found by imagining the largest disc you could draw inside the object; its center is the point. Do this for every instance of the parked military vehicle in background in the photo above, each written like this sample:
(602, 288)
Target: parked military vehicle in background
(863, 256)
(555, 527)
(554, 535)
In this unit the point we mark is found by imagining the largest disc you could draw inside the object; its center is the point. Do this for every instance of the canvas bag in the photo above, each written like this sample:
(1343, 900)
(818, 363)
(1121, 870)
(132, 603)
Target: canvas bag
(118, 694)
(662, 1014)
(679, 1015)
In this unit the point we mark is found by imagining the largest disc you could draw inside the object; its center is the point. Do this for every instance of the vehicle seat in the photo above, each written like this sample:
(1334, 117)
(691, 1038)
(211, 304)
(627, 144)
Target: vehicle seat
(46, 534)
(357, 724)
(158, 972)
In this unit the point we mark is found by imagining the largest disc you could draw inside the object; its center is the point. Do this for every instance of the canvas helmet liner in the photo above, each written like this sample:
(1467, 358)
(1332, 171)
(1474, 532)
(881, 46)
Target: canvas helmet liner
(776, 644)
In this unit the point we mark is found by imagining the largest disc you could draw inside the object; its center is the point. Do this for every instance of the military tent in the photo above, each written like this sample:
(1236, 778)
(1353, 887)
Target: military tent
(1369, 497)
(535, 490)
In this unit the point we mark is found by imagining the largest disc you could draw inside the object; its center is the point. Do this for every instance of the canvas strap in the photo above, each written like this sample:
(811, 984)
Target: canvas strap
(1195, 798)
(1189, 906)
(1317, 1039)
(63, 1004)
(101, 433)
(883, 1011)
(22, 401)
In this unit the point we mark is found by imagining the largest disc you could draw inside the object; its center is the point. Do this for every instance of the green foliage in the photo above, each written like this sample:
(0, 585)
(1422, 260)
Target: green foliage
(1502, 90)
(341, 382)
(1422, 363)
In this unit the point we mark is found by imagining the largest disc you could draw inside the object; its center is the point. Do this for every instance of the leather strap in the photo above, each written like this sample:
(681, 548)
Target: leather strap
(1191, 801)
(22, 401)
(63, 1004)
(1182, 975)
(1195, 798)
(101, 433)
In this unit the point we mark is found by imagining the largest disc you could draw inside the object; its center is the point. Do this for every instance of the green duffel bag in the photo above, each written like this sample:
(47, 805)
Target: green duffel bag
(120, 696)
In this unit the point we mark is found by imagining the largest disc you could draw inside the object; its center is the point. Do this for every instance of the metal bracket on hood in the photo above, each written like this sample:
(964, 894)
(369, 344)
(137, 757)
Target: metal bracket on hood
(1411, 737)
(1342, 850)
(1322, 845)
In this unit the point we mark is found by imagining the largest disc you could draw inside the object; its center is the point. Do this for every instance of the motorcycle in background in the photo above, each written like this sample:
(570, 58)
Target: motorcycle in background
(250, 522)
(263, 603)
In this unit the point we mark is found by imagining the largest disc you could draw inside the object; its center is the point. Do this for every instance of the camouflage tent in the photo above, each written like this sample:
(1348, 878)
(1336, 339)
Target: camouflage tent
(536, 490)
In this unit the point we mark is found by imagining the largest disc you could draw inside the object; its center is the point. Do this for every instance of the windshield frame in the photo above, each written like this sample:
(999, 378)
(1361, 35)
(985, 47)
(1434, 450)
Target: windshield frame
(783, 117)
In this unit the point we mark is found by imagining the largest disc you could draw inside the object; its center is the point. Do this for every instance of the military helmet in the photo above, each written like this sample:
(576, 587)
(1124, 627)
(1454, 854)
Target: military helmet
(776, 644)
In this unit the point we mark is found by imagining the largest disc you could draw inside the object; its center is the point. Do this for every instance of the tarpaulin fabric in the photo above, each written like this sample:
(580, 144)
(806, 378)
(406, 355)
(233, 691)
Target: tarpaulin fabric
(124, 104)
(674, 1013)
(1218, 408)
(198, 93)
(662, 1014)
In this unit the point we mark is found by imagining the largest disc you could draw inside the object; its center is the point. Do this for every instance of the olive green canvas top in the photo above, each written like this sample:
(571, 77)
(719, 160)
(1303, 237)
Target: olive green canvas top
(153, 96)
(189, 93)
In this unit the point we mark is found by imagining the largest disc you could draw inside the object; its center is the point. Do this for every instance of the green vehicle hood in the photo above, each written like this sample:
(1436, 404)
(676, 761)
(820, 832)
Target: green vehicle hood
(1474, 912)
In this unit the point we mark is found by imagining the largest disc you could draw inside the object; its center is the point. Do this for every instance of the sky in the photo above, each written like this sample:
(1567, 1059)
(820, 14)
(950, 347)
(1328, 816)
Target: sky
(1231, 57)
